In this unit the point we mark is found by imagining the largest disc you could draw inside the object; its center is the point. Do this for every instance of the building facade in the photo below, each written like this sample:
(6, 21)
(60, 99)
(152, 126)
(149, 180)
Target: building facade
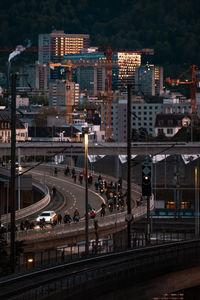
(170, 124)
(62, 94)
(149, 80)
(143, 115)
(54, 46)
(91, 70)
(5, 129)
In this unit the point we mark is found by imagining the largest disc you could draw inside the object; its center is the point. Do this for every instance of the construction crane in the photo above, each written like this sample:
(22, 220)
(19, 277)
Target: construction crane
(193, 85)
(108, 92)
(68, 95)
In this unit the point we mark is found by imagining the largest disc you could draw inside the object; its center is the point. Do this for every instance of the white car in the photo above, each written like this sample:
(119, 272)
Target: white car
(47, 215)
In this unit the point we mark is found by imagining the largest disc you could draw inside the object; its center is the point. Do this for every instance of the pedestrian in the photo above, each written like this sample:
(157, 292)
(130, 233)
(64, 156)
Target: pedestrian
(59, 219)
(93, 213)
(103, 212)
(76, 216)
(81, 178)
(53, 191)
(67, 218)
(42, 223)
(99, 178)
(96, 184)
(27, 224)
(73, 172)
(74, 178)
(90, 179)
(65, 171)
(55, 171)
(22, 225)
(55, 220)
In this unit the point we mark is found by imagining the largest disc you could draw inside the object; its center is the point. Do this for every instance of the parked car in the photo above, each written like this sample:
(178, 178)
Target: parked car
(47, 215)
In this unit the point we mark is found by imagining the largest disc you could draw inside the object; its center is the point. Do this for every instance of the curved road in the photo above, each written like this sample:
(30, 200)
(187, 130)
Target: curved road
(73, 193)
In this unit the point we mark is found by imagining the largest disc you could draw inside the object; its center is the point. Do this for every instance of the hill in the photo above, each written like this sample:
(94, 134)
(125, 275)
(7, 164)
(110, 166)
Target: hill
(170, 27)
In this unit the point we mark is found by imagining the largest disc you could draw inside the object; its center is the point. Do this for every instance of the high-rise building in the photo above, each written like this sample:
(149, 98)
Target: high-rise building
(149, 80)
(41, 76)
(27, 78)
(33, 77)
(127, 63)
(158, 80)
(61, 94)
(91, 69)
(54, 46)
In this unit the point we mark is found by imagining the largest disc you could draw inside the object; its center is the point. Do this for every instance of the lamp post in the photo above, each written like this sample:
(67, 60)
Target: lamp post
(85, 132)
(18, 180)
(13, 173)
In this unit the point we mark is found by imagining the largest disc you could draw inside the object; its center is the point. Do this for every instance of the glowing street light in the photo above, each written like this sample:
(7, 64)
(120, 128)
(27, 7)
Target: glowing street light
(85, 132)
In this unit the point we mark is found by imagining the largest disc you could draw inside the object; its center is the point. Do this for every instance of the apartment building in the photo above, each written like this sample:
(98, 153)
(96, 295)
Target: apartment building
(54, 46)
(62, 94)
(143, 115)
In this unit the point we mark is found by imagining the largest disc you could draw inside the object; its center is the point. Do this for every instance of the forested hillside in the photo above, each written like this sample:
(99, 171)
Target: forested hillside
(171, 27)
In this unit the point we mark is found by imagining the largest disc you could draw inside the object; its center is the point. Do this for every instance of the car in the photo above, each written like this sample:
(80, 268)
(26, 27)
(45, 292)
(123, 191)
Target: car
(47, 215)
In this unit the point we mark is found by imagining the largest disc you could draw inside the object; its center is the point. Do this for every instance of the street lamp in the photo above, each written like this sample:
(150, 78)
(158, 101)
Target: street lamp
(19, 169)
(85, 132)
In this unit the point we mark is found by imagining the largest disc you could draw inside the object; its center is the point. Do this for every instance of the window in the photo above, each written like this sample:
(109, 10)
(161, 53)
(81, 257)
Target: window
(160, 131)
(170, 122)
(169, 131)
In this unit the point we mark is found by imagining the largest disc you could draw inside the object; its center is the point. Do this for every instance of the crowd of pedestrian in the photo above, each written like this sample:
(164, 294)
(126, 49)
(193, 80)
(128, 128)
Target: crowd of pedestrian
(114, 199)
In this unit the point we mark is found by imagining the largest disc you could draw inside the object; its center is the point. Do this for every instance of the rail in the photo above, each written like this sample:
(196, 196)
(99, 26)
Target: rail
(77, 229)
(88, 275)
(33, 208)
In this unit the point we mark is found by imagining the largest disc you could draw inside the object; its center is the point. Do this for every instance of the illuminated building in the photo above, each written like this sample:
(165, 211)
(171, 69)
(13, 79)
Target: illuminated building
(127, 63)
(54, 46)
(91, 69)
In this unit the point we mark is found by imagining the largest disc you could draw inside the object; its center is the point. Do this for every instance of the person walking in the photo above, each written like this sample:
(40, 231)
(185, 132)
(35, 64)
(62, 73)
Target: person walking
(59, 219)
(53, 190)
(81, 178)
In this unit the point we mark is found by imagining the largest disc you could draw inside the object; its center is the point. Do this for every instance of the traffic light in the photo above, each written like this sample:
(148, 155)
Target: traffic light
(146, 179)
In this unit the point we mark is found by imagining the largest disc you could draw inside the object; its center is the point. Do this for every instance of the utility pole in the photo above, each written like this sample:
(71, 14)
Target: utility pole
(13, 171)
(85, 132)
(196, 173)
(129, 215)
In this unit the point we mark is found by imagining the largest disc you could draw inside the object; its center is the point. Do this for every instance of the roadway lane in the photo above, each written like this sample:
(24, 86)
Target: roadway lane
(74, 193)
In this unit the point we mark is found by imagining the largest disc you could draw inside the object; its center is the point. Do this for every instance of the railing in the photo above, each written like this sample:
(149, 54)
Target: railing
(98, 273)
(31, 209)
(62, 230)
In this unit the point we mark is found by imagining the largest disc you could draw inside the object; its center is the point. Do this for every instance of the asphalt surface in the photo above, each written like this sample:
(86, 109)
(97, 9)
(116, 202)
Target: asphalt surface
(69, 195)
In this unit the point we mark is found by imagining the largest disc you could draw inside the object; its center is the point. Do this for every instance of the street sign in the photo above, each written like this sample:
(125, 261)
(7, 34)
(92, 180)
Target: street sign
(129, 217)
(146, 179)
